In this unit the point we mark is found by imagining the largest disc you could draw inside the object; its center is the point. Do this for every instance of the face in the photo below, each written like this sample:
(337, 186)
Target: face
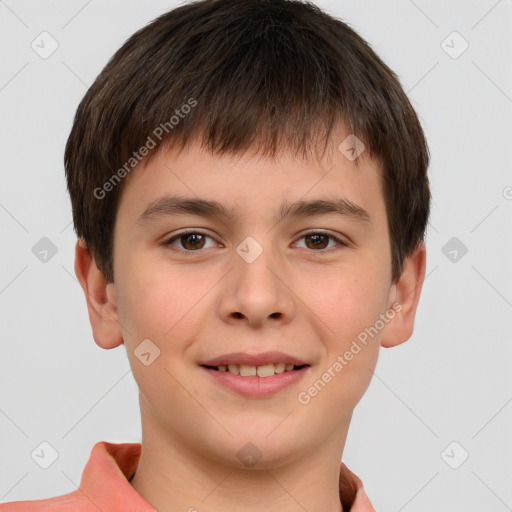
(267, 277)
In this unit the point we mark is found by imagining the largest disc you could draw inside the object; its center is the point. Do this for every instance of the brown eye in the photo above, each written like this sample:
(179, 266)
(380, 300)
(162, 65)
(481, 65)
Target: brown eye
(190, 241)
(193, 241)
(317, 241)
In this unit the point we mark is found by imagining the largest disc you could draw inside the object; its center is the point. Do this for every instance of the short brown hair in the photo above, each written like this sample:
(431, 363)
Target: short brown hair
(271, 74)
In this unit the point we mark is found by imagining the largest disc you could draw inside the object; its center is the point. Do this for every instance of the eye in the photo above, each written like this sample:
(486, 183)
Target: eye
(194, 241)
(191, 241)
(318, 240)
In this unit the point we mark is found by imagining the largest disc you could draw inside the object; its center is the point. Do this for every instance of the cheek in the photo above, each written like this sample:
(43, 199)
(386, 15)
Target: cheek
(141, 309)
(347, 300)
(351, 307)
(159, 302)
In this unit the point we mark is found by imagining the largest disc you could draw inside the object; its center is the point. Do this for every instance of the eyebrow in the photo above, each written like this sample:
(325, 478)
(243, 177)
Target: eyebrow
(175, 205)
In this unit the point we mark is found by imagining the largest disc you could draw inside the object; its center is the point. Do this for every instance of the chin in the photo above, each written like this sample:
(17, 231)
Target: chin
(261, 450)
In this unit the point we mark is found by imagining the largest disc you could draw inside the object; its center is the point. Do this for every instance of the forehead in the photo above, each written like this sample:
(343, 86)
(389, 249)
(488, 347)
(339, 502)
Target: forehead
(227, 185)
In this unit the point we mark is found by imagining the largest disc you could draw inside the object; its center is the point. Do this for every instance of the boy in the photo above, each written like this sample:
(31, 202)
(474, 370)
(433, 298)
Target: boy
(249, 188)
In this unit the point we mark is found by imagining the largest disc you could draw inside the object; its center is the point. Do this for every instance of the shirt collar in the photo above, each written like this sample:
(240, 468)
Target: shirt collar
(116, 463)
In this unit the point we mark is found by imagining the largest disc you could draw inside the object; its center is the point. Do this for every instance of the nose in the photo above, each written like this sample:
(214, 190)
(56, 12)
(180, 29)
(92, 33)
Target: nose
(257, 291)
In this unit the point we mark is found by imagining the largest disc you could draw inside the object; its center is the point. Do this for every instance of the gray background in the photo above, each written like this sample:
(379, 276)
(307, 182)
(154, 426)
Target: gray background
(450, 382)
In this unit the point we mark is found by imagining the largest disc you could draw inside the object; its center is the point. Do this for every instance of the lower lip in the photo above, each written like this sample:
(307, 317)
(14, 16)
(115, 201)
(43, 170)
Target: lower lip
(257, 387)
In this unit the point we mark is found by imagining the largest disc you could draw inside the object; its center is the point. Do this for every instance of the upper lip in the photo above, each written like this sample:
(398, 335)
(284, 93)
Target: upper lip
(254, 359)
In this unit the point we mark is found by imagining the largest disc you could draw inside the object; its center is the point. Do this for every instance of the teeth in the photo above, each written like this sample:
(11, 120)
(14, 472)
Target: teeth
(280, 367)
(233, 368)
(247, 371)
(266, 370)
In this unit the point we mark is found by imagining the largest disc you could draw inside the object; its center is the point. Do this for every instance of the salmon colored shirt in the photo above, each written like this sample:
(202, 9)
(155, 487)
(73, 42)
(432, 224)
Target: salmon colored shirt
(105, 486)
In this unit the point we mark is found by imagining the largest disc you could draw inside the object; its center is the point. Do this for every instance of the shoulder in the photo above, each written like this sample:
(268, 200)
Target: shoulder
(75, 501)
(104, 483)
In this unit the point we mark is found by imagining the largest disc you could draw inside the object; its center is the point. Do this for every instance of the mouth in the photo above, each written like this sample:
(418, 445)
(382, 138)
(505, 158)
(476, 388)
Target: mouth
(255, 376)
(265, 370)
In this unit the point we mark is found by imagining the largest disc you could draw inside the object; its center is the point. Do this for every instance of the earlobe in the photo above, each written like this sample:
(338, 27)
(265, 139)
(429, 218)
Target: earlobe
(405, 296)
(100, 297)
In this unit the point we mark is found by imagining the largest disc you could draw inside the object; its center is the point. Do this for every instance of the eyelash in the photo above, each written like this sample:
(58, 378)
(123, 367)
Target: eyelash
(198, 232)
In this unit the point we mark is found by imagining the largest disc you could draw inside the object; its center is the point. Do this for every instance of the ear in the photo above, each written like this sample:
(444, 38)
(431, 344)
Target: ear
(405, 294)
(101, 299)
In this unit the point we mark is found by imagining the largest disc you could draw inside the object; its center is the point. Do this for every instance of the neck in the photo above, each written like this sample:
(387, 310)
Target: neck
(172, 476)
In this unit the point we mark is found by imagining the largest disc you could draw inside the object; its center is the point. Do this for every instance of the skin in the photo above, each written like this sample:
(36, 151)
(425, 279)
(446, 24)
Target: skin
(307, 300)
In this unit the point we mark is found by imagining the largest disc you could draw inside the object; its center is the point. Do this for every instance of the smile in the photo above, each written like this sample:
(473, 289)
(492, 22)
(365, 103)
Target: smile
(255, 381)
(266, 370)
